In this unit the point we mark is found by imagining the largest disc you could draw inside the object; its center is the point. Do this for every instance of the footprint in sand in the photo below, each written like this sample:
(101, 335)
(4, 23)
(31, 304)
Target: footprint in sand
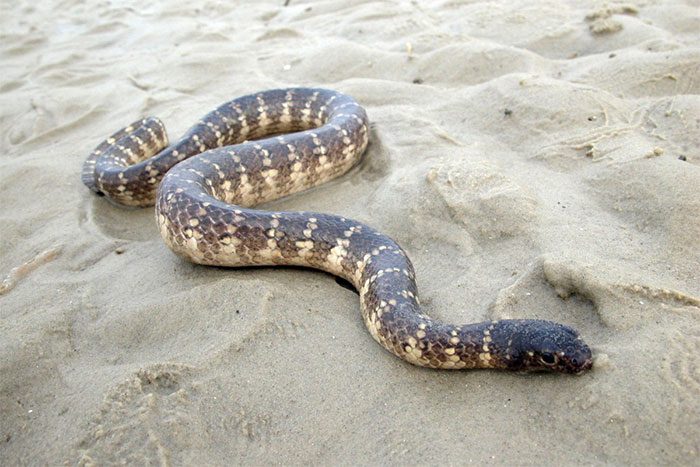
(130, 423)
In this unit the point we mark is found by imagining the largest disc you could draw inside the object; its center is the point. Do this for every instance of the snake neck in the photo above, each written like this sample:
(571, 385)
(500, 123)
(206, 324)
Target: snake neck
(392, 313)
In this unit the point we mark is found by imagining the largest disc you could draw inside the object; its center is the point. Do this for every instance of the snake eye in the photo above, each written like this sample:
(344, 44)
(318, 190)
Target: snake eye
(548, 358)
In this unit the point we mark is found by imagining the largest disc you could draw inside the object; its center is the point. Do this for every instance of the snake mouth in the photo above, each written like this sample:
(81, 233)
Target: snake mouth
(587, 365)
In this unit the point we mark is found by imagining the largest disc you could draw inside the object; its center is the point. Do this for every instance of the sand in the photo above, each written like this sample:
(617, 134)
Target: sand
(535, 159)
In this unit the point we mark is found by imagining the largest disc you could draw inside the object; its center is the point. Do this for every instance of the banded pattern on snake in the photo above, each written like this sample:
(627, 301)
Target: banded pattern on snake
(205, 185)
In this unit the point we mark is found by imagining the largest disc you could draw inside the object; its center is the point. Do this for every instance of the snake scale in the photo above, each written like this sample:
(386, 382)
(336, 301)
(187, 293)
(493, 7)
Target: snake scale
(263, 146)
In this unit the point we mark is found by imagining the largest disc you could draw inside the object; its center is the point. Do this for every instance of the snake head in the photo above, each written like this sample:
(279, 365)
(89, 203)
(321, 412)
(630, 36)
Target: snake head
(537, 345)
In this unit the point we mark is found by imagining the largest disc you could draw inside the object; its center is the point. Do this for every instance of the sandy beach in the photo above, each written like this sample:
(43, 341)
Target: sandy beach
(535, 159)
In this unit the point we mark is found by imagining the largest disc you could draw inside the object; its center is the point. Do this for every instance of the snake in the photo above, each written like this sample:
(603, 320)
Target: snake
(270, 144)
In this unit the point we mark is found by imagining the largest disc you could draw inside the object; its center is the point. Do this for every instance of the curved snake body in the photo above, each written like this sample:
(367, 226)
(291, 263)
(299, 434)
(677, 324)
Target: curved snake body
(204, 212)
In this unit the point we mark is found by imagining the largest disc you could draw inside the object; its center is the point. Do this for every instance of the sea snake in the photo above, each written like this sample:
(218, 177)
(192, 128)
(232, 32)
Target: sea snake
(267, 145)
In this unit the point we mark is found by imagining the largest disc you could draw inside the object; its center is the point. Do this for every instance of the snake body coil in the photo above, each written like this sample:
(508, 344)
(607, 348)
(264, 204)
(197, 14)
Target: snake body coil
(203, 209)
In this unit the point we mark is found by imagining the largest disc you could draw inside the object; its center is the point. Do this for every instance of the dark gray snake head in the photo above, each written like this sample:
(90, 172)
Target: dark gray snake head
(537, 345)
